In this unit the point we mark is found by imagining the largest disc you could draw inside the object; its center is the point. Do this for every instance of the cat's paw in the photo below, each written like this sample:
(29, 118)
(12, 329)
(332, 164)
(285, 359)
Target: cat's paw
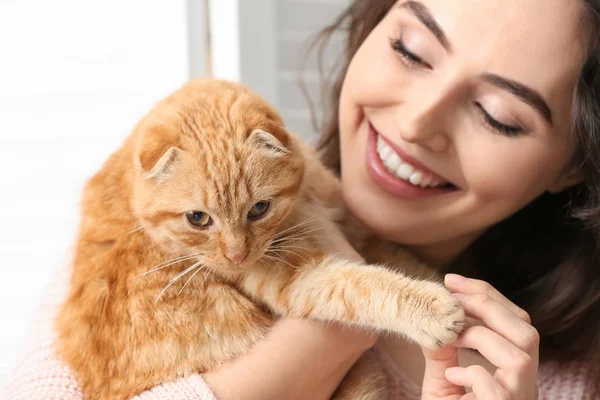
(437, 317)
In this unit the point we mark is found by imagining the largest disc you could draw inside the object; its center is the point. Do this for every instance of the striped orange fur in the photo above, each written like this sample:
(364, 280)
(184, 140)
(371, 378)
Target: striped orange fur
(154, 297)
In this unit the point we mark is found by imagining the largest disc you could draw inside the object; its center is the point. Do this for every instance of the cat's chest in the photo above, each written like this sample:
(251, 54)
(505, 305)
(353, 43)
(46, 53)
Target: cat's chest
(204, 320)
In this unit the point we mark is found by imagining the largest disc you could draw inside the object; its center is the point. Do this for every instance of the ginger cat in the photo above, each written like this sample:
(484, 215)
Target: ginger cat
(202, 228)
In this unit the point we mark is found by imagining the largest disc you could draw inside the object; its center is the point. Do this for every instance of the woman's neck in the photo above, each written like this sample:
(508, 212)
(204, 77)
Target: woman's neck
(441, 255)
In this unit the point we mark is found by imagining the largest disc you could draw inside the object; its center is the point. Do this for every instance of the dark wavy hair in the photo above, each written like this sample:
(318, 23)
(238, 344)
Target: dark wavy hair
(546, 257)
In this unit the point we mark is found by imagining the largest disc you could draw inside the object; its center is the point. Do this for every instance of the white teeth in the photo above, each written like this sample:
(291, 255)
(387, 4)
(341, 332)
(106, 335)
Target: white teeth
(392, 161)
(386, 152)
(380, 144)
(401, 169)
(415, 178)
(404, 171)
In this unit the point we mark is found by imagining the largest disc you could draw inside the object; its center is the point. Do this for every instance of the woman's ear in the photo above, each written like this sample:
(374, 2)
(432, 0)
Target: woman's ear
(570, 177)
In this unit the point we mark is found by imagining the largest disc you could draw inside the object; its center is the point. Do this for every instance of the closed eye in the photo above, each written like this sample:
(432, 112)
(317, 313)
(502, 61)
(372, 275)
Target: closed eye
(507, 130)
(407, 56)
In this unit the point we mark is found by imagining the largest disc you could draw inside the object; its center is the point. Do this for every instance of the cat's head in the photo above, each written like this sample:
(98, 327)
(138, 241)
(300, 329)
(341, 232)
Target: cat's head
(216, 173)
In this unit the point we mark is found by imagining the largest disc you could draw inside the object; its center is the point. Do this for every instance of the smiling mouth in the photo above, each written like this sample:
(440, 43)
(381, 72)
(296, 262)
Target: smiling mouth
(399, 174)
(400, 167)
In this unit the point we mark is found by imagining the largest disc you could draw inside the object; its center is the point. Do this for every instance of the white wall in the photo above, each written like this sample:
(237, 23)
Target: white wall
(74, 78)
(263, 43)
(297, 23)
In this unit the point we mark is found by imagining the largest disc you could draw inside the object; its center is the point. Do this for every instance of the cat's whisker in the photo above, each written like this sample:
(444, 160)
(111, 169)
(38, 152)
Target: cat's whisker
(287, 246)
(269, 258)
(295, 240)
(295, 237)
(160, 266)
(200, 268)
(279, 258)
(309, 220)
(293, 227)
(293, 253)
(300, 232)
(168, 263)
(298, 229)
(176, 259)
(212, 271)
(136, 229)
(175, 280)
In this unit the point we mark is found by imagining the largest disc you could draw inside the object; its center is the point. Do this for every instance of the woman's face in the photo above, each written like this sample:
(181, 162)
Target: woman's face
(472, 96)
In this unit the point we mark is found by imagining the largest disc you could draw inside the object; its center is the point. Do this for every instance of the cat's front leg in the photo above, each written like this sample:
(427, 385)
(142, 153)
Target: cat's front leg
(363, 295)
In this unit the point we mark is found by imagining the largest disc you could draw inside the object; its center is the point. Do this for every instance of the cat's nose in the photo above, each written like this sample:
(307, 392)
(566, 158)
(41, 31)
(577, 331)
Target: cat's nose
(237, 256)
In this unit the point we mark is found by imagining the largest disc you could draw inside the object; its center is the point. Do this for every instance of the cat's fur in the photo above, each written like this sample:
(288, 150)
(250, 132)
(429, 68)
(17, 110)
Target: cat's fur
(217, 147)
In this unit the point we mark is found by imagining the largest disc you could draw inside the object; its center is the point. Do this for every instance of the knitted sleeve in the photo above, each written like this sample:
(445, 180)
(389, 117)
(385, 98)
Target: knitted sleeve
(575, 380)
(41, 375)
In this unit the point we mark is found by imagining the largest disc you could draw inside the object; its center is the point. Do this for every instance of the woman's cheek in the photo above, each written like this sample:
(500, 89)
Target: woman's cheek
(502, 179)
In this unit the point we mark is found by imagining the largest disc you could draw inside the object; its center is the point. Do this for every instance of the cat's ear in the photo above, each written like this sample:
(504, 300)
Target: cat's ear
(165, 164)
(268, 142)
(157, 156)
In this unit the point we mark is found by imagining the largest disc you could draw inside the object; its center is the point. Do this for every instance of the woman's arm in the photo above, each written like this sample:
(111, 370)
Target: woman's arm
(299, 359)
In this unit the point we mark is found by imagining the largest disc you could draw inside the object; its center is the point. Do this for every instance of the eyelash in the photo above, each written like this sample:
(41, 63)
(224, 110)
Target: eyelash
(407, 56)
(507, 130)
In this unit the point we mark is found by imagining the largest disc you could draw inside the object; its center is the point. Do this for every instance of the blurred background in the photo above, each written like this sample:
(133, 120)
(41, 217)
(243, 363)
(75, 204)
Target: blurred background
(76, 76)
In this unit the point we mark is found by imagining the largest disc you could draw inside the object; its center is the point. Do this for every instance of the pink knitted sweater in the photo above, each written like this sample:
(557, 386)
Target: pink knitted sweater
(41, 375)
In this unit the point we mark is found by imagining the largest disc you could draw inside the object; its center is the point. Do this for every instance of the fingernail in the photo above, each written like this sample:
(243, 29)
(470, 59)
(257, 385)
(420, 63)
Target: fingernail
(453, 372)
(460, 296)
(454, 279)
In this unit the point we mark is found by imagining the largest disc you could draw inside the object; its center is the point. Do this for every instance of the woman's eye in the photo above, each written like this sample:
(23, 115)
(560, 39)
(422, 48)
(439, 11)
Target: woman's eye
(507, 130)
(259, 209)
(407, 56)
(198, 219)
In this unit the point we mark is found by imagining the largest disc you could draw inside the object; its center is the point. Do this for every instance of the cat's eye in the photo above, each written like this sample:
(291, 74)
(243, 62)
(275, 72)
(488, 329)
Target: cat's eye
(259, 209)
(198, 219)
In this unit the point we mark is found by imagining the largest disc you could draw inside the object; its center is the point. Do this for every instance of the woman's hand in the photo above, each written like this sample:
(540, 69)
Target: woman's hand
(502, 333)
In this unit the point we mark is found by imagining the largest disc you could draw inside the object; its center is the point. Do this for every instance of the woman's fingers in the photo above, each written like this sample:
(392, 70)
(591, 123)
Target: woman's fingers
(502, 320)
(460, 284)
(435, 384)
(503, 334)
(483, 385)
(496, 349)
(515, 366)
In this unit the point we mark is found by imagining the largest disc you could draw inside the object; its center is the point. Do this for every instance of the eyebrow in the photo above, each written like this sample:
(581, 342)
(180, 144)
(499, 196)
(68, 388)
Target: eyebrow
(423, 14)
(528, 95)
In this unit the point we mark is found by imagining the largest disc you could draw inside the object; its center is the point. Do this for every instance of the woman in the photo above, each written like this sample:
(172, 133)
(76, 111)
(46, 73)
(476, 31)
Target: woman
(467, 132)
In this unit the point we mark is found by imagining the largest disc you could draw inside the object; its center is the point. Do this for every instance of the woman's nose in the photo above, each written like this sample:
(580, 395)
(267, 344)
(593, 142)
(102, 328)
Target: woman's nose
(424, 119)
